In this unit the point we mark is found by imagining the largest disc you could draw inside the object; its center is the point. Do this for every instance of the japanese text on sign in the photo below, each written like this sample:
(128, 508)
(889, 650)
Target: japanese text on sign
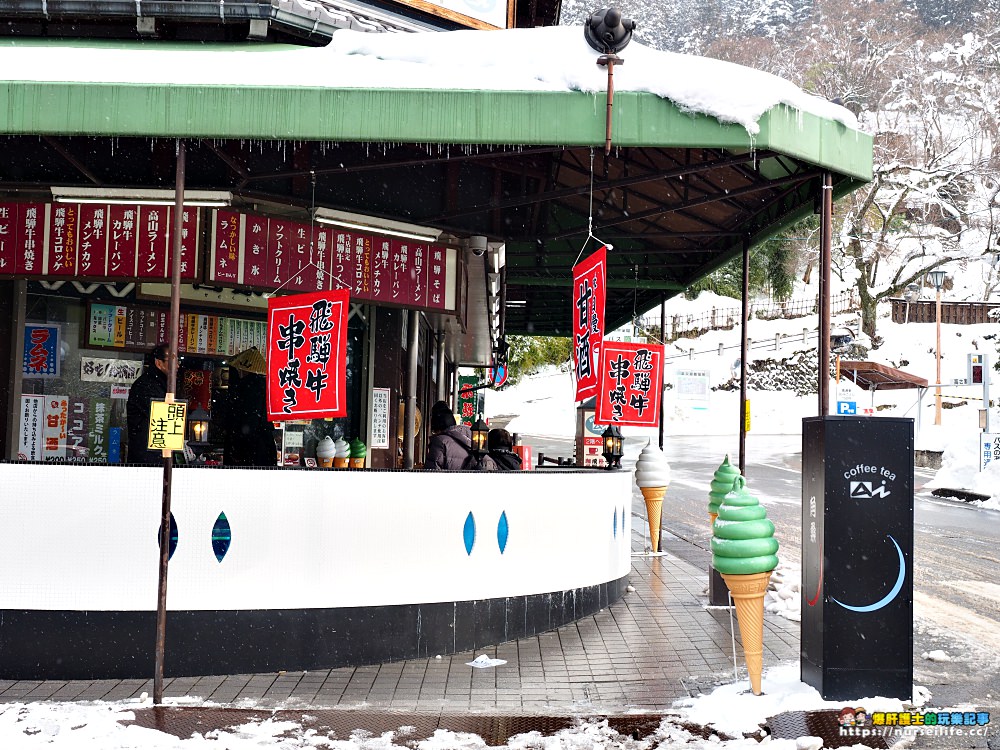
(307, 355)
(166, 425)
(380, 418)
(589, 293)
(631, 384)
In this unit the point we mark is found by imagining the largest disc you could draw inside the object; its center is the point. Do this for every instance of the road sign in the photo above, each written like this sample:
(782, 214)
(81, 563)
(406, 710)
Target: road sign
(499, 375)
(847, 407)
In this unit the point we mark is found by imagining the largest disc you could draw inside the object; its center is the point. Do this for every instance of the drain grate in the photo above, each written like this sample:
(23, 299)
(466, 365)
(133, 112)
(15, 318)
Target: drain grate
(183, 722)
(825, 724)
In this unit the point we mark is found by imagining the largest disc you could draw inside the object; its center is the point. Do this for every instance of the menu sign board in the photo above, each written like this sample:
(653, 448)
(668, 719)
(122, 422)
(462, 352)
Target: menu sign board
(95, 241)
(133, 328)
(272, 253)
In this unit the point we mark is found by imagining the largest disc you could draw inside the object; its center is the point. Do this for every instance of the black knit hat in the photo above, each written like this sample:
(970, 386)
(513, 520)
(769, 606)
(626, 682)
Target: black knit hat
(442, 417)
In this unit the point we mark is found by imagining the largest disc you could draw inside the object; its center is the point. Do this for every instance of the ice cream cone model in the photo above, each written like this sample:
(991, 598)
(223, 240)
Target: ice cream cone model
(358, 453)
(722, 483)
(743, 551)
(652, 476)
(342, 454)
(325, 451)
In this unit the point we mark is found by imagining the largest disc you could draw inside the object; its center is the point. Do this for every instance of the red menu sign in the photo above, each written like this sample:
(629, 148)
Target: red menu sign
(22, 237)
(307, 355)
(277, 253)
(93, 240)
(589, 291)
(631, 384)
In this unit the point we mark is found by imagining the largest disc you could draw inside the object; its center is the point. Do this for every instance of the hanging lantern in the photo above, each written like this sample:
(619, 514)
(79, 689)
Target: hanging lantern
(198, 425)
(612, 441)
(480, 434)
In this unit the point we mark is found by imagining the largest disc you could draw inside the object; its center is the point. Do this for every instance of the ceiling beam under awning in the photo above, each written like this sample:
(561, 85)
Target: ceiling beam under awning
(515, 279)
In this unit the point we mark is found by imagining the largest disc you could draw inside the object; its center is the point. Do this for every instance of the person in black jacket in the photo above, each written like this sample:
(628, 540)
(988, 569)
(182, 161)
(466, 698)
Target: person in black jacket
(500, 444)
(250, 436)
(450, 446)
(148, 387)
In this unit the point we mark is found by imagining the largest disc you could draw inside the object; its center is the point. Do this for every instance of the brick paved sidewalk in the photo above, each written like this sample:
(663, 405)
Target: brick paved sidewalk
(640, 654)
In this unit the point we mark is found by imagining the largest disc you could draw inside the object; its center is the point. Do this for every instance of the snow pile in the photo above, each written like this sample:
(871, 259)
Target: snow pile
(782, 597)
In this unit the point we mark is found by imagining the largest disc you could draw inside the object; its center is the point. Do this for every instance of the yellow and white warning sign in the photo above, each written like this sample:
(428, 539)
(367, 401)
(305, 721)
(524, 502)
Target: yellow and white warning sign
(166, 425)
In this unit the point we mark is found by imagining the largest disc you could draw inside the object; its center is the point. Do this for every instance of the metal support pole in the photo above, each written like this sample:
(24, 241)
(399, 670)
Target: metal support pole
(168, 459)
(826, 241)
(442, 370)
(744, 348)
(410, 426)
(610, 61)
(937, 356)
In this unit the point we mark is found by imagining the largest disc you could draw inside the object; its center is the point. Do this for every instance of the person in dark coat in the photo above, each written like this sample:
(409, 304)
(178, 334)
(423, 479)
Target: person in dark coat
(450, 446)
(250, 435)
(148, 387)
(500, 444)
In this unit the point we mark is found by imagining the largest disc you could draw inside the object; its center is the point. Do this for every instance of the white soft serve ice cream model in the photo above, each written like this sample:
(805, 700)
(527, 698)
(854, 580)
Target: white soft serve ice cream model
(342, 453)
(652, 476)
(325, 451)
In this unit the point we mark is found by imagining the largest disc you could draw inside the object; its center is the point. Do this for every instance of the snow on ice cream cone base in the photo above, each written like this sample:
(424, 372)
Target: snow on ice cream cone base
(652, 468)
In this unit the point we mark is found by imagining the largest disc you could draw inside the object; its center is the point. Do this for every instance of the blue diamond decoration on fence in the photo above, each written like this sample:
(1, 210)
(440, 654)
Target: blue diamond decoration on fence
(614, 525)
(623, 519)
(469, 533)
(173, 536)
(221, 537)
(503, 531)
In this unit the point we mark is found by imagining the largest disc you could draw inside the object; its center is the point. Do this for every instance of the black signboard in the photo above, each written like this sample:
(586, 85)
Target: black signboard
(857, 556)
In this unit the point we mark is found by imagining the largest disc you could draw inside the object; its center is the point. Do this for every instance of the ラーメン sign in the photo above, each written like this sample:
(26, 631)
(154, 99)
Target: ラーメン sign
(307, 356)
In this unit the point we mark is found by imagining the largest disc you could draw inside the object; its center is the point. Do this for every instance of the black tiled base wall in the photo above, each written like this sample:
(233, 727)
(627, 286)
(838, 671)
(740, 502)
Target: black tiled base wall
(71, 645)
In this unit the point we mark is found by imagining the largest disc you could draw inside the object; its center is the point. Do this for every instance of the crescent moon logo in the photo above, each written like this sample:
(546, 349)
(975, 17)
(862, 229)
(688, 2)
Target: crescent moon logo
(893, 593)
(819, 582)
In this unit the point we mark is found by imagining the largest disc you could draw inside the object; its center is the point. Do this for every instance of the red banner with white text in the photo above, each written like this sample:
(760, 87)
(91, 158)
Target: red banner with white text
(631, 384)
(589, 294)
(307, 355)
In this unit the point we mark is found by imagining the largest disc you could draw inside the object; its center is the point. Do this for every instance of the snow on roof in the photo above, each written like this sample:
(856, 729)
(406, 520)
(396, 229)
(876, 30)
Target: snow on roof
(555, 58)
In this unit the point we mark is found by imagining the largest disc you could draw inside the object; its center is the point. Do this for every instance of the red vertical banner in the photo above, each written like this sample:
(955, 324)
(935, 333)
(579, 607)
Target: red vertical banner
(189, 242)
(631, 384)
(299, 251)
(93, 240)
(225, 254)
(319, 274)
(362, 252)
(307, 355)
(400, 282)
(30, 247)
(589, 294)
(63, 239)
(381, 269)
(418, 272)
(122, 241)
(277, 252)
(437, 274)
(154, 229)
(8, 236)
(342, 261)
(255, 251)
